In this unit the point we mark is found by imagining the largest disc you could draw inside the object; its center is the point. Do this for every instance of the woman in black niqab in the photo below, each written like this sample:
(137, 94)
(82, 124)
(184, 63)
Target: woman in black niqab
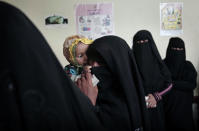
(120, 102)
(154, 73)
(35, 93)
(178, 103)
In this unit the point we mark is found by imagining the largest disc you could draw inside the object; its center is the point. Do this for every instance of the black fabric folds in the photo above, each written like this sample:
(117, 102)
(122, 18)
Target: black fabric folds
(35, 93)
(154, 72)
(122, 79)
(111, 101)
(178, 103)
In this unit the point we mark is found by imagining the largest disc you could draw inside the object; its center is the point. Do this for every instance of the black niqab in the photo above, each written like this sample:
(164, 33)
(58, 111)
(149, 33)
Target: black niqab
(175, 59)
(117, 56)
(35, 93)
(153, 71)
(178, 103)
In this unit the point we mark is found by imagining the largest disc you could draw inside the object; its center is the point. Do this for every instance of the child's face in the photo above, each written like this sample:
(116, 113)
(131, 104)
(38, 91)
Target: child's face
(81, 53)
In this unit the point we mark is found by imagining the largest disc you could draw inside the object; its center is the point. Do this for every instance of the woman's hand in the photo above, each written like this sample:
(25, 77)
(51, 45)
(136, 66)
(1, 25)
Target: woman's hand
(152, 103)
(86, 86)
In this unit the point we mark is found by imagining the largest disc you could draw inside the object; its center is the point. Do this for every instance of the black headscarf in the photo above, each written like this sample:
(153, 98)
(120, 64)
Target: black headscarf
(35, 93)
(119, 59)
(153, 70)
(175, 59)
(178, 103)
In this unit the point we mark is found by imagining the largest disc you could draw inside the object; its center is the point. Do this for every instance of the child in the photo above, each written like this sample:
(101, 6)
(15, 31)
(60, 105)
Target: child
(74, 50)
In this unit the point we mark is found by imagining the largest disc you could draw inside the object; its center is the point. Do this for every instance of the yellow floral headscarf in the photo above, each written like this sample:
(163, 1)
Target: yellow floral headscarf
(70, 45)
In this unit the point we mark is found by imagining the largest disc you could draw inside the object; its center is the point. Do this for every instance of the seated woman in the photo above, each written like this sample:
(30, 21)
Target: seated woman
(120, 103)
(35, 93)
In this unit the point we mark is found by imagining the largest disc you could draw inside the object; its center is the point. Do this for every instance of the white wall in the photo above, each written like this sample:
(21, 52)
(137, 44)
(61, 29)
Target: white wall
(129, 17)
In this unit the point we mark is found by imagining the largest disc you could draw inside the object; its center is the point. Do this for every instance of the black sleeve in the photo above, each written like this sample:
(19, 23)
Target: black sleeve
(188, 80)
(165, 83)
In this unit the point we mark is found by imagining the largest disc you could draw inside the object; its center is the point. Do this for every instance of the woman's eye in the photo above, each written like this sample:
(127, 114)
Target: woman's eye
(173, 48)
(141, 41)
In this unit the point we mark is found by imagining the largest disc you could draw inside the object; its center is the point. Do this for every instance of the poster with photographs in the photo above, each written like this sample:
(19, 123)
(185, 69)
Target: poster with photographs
(171, 19)
(94, 20)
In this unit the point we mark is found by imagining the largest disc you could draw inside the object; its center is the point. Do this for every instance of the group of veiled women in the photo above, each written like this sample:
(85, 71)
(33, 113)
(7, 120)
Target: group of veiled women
(137, 90)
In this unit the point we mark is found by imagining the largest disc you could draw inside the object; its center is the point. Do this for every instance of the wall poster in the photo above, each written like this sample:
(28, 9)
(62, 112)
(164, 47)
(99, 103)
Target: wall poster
(171, 19)
(94, 20)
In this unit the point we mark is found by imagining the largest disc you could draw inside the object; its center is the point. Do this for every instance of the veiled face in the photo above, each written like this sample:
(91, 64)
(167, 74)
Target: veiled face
(80, 53)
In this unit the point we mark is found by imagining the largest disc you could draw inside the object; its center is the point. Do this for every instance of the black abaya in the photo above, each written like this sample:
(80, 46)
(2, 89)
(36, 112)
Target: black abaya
(154, 73)
(178, 103)
(35, 93)
(121, 104)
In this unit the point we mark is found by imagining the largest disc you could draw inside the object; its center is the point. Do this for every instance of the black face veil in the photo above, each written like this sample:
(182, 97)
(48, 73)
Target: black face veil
(175, 56)
(117, 56)
(35, 93)
(184, 76)
(149, 61)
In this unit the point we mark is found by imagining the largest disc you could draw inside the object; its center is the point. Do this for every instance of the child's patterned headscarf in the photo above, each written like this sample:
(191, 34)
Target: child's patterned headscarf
(70, 45)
